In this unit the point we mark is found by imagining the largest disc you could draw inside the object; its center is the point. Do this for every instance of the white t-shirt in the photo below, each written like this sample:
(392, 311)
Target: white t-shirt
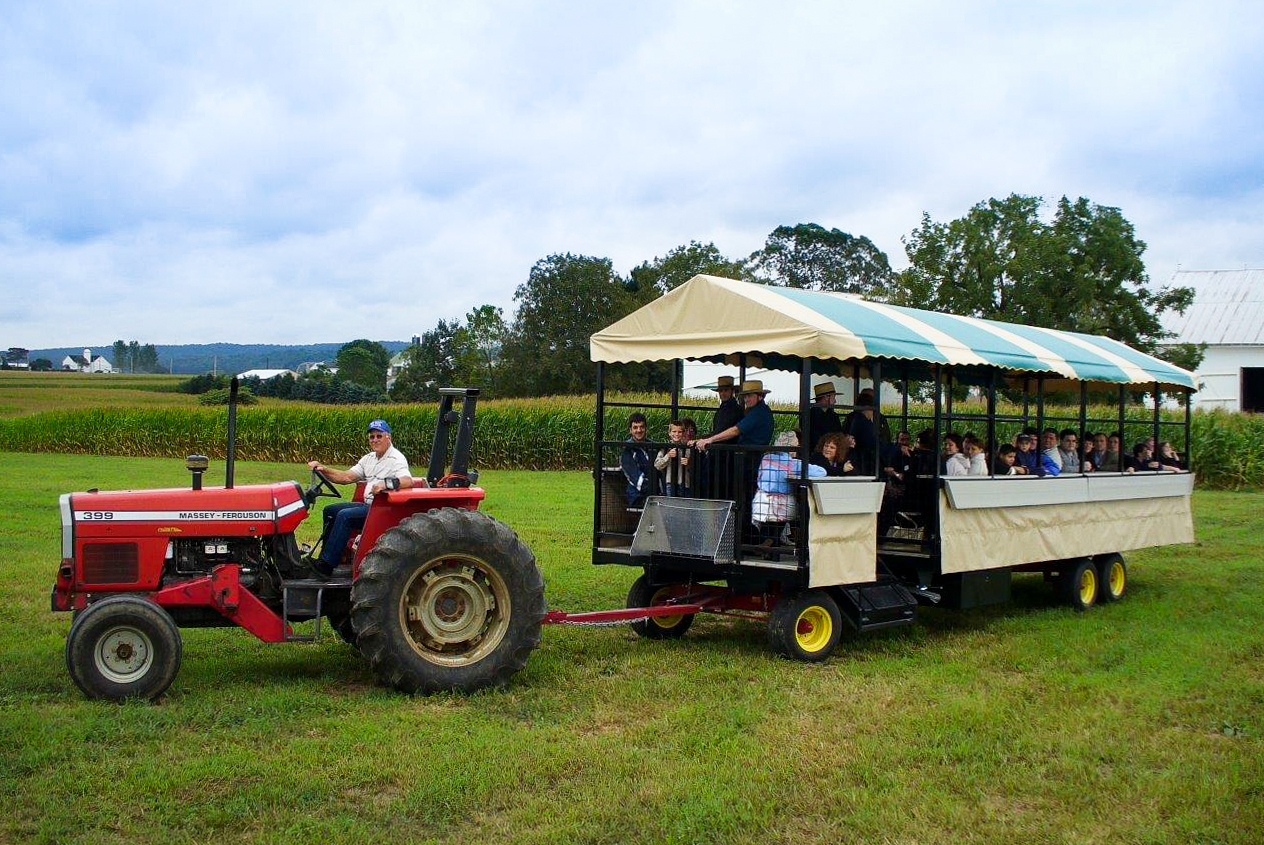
(371, 468)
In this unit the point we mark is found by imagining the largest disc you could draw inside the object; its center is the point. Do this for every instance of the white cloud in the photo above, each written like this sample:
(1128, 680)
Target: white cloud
(314, 172)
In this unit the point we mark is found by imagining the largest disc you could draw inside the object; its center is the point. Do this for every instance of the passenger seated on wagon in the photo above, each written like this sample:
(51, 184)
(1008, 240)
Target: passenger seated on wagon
(954, 462)
(869, 428)
(1049, 447)
(1006, 457)
(635, 462)
(1168, 460)
(1069, 451)
(973, 451)
(1100, 458)
(1142, 460)
(773, 503)
(1114, 445)
(674, 463)
(832, 455)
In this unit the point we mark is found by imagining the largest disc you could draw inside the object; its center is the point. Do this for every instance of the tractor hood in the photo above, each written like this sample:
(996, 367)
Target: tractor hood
(251, 510)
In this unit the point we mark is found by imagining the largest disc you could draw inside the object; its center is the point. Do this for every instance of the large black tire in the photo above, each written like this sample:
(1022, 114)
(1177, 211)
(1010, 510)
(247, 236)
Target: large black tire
(123, 647)
(642, 594)
(1112, 572)
(805, 626)
(447, 600)
(1079, 584)
(341, 623)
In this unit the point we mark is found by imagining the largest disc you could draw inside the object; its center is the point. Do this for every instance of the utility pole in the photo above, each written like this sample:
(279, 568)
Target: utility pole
(214, 366)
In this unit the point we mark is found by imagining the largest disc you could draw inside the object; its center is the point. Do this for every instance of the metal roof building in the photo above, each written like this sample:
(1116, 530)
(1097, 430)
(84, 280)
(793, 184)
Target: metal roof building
(1228, 316)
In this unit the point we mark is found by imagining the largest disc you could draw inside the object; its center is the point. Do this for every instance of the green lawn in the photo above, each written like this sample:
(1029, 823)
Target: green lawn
(1138, 722)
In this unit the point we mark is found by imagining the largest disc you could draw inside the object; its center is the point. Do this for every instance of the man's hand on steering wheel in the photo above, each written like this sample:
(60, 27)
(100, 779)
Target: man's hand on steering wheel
(320, 486)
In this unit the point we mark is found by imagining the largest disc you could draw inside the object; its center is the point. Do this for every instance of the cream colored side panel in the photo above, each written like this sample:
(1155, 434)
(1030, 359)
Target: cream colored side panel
(987, 538)
(842, 548)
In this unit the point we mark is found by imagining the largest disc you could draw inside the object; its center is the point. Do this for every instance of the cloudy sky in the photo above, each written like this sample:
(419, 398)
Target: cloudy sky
(264, 172)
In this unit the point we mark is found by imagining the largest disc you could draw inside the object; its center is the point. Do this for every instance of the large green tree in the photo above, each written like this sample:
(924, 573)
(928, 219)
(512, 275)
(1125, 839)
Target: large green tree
(121, 355)
(364, 362)
(479, 352)
(431, 364)
(564, 300)
(680, 265)
(1081, 271)
(810, 256)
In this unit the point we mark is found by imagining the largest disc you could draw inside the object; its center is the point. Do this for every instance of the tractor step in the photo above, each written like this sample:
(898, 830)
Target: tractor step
(885, 604)
(303, 599)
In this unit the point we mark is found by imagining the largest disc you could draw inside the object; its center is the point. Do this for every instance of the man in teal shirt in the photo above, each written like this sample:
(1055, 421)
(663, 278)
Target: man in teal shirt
(753, 429)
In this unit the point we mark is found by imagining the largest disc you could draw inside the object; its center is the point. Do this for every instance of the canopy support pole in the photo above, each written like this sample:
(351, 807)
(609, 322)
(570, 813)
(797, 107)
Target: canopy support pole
(1083, 422)
(1189, 405)
(1040, 412)
(875, 373)
(1158, 404)
(805, 452)
(990, 451)
(1123, 424)
(600, 434)
(675, 388)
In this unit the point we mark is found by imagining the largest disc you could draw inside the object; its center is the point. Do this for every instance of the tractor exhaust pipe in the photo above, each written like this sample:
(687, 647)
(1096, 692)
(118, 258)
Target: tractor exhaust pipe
(232, 434)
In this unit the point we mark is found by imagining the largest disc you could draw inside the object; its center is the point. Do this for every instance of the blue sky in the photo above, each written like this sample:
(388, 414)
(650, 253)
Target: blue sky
(319, 171)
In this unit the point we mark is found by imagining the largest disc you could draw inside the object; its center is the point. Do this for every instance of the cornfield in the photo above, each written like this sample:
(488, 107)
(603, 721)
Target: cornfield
(541, 434)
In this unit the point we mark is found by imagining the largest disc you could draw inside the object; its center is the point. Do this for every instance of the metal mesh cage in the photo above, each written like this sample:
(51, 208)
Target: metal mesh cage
(694, 528)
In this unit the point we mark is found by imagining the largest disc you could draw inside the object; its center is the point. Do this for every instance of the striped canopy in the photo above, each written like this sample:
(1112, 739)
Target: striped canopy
(712, 318)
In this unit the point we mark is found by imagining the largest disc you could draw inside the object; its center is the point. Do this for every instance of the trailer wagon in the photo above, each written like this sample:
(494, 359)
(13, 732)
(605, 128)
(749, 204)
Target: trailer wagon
(860, 552)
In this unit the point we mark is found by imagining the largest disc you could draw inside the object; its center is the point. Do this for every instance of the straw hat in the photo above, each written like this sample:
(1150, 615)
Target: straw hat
(723, 382)
(753, 386)
(824, 388)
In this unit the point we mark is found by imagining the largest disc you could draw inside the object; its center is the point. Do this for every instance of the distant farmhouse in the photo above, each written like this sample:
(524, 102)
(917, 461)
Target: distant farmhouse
(1228, 316)
(316, 367)
(87, 363)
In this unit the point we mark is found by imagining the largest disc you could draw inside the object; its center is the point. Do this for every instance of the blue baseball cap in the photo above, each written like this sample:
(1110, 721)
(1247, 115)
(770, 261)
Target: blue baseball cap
(380, 425)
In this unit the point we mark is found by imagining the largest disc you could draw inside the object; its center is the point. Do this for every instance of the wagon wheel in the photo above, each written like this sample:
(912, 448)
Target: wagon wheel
(1079, 583)
(805, 626)
(447, 600)
(643, 594)
(1113, 572)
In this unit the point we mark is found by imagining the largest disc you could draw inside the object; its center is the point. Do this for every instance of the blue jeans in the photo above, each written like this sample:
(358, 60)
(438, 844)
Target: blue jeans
(341, 519)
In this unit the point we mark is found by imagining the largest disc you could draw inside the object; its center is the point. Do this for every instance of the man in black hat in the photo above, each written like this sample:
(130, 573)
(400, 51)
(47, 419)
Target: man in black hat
(730, 411)
(822, 419)
(869, 428)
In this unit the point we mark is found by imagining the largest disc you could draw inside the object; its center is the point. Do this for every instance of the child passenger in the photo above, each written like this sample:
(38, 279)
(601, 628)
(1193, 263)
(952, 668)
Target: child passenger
(954, 463)
(974, 454)
(674, 462)
(1005, 459)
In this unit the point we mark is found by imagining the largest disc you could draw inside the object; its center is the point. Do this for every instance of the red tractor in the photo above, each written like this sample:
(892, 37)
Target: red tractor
(436, 595)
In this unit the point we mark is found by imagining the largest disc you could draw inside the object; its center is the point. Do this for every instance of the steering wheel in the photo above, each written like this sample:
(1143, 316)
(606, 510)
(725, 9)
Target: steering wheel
(320, 486)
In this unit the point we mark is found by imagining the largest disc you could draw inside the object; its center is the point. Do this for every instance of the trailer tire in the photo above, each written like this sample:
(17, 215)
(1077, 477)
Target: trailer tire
(805, 626)
(123, 647)
(1079, 583)
(644, 594)
(447, 600)
(1112, 571)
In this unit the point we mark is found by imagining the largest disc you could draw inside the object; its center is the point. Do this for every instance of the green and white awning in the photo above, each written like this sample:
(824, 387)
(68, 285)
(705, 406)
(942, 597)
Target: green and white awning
(710, 318)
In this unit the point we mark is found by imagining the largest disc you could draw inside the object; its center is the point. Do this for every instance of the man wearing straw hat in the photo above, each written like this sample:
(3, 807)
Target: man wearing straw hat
(822, 419)
(755, 427)
(730, 410)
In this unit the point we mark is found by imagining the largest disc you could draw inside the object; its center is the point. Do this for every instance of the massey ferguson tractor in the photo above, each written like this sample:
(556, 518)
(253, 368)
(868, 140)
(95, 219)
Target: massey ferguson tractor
(436, 595)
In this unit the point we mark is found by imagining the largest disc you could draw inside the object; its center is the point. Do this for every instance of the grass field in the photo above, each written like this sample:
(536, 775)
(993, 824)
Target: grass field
(1137, 722)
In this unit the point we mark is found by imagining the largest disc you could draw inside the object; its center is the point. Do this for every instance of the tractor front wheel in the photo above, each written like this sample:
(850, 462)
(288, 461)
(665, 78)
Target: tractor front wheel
(450, 599)
(123, 647)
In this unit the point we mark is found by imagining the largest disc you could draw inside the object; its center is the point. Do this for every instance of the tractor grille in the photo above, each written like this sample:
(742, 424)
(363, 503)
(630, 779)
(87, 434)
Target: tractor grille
(110, 563)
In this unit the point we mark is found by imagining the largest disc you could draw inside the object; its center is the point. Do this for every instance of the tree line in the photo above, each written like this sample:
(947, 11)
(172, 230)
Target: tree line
(1081, 270)
(133, 357)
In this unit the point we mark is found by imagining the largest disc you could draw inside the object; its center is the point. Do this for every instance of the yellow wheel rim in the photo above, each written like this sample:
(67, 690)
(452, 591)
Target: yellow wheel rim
(1117, 579)
(1088, 586)
(813, 629)
(660, 597)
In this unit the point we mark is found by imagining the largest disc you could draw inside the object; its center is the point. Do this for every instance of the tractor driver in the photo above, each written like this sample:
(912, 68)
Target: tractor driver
(383, 468)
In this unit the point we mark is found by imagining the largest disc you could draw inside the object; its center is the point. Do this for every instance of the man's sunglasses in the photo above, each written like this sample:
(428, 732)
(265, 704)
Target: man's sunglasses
(377, 436)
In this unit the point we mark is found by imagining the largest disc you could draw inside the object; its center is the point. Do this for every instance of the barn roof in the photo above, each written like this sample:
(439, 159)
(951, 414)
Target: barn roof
(1228, 308)
(709, 318)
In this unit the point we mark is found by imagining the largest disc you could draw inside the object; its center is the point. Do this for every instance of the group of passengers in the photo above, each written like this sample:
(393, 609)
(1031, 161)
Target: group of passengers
(1052, 452)
(848, 446)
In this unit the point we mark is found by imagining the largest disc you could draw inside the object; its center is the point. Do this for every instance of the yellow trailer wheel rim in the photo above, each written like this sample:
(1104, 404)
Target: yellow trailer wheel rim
(1088, 586)
(660, 597)
(813, 629)
(1117, 579)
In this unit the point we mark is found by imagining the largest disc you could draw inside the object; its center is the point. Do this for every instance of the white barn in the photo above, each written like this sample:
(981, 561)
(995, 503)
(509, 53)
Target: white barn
(1228, 316)
(87, 363)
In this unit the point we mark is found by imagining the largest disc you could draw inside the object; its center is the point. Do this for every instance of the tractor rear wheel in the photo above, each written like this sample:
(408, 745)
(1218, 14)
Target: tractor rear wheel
(123, 647)
(450, 599)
